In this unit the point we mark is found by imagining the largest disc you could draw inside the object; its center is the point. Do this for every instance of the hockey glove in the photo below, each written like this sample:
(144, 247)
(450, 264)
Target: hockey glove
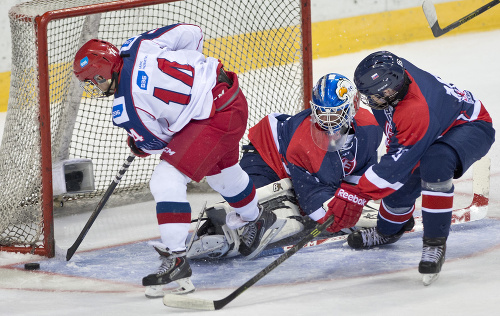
(347, 206)
(135, 150)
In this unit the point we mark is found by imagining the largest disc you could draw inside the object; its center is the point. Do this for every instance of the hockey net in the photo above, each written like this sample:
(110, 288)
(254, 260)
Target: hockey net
(49, 120)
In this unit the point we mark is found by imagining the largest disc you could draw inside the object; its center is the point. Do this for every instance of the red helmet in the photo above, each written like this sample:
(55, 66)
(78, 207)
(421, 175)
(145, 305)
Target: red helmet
(96, 60)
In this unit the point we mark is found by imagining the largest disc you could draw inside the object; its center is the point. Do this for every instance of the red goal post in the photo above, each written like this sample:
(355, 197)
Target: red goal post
(49, 120)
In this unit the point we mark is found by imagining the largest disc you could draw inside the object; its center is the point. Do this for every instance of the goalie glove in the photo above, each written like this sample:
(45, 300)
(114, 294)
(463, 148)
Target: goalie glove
(134, 149)
(347, 206)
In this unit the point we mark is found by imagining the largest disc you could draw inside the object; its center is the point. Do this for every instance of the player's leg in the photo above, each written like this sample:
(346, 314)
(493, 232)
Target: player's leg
(438, 167)
(230, 180)
(258, 170)
(394, 218)
(168, 187)
(450, 157)
(256, 226)
(215, 240)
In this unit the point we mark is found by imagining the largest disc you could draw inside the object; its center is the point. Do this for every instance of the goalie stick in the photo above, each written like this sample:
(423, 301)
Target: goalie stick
(179, 301)
(431, 16)
(100, 205)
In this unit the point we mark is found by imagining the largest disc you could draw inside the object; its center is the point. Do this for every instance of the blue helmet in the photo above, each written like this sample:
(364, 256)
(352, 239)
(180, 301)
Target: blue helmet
(381, 80)
(332, 108)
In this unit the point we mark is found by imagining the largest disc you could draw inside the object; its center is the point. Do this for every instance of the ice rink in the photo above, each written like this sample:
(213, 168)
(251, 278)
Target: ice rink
(104, 277)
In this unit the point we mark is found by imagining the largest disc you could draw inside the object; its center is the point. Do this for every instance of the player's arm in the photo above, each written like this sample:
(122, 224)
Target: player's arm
(319, 201)
(179, 37)
(310, 192)
(152, 139)
(134, 149)
(416, 129)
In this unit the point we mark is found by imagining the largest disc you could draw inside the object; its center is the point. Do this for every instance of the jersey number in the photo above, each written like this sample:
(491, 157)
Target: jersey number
(452, 90)
(136, 136)
(184, 73)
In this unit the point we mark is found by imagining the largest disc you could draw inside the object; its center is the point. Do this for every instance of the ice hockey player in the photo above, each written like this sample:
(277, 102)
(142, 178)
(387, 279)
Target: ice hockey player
(319, 149)
(435, 132)
(175, 102)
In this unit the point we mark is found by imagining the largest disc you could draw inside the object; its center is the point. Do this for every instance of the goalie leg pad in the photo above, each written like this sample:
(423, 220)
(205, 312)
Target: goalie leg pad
(368, 217)
(279, 198)
(215, 239)
(211, 246)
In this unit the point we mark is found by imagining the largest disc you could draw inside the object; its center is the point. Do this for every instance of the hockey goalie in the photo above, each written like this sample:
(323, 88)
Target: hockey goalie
(212, 239)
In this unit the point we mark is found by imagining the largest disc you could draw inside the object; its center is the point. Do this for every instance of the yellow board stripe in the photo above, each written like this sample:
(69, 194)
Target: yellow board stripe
(349, 35)
(255, 50)
(342, 36)
(4, 90)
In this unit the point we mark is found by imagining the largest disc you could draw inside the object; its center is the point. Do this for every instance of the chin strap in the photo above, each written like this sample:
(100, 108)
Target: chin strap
(404, 90)
(114, 78)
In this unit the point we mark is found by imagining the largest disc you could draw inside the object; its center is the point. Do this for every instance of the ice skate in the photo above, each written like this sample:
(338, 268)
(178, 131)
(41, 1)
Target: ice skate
(256, 235)
(370, 237)
(433, 256)
(174, 268)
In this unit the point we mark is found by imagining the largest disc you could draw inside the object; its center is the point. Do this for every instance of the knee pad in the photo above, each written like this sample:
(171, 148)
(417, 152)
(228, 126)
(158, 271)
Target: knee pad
(230, 181)
(442, 186)
(168, 184)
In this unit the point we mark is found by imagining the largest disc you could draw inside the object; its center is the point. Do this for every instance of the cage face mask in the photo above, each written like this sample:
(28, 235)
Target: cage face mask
(332, 108)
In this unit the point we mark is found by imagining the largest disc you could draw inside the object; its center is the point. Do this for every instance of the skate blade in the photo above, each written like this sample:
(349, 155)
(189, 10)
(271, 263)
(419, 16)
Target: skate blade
(185, 287)
(157, 291)
(428, 279)
(268, 237)
(154, 291)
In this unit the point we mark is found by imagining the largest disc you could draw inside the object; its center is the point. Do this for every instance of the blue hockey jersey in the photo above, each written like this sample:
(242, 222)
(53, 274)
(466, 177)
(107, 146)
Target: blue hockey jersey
(430, 109)
(286, 145)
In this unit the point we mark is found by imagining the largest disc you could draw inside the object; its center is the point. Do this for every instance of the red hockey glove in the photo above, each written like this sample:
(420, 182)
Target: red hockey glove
(135, 150)
(346, 205)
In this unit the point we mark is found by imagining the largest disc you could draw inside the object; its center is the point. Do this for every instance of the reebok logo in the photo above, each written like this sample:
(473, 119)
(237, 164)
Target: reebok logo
(351, 197)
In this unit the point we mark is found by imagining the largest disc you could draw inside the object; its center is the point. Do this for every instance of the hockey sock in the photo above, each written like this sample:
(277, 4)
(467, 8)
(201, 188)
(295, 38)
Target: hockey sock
(391, 220)
(436, 213)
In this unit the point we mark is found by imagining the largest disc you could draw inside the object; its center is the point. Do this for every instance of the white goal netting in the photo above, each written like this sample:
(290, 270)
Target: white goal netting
(261, 40)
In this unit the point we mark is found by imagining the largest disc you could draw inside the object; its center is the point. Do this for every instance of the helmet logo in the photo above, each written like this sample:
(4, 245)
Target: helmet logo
(342, 91)
(343, 88)
(84, 61)
(374, 76)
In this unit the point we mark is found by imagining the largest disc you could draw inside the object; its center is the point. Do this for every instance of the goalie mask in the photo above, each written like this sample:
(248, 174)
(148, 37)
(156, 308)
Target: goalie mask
(97, 65)
(332, 108)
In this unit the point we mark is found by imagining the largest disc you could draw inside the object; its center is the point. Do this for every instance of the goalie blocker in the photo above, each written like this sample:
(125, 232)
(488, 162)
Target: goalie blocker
(214, 240)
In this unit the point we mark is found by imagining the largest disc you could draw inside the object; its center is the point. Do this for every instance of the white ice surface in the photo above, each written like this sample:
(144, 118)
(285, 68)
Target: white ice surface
(330, 281)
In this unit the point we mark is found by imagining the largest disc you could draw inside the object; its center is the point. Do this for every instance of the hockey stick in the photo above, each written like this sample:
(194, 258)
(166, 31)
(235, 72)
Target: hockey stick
(198, 222)
(475, 211)
(431, 16)
(100, 205)
(188, 302)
